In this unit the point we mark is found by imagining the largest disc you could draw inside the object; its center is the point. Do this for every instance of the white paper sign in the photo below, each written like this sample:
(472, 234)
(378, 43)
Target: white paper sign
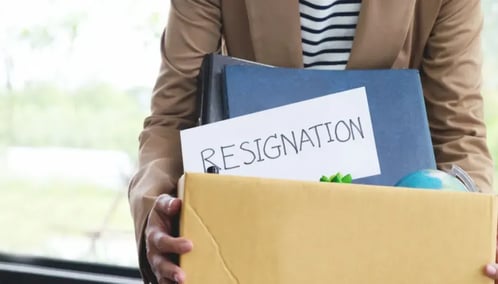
(302, 141)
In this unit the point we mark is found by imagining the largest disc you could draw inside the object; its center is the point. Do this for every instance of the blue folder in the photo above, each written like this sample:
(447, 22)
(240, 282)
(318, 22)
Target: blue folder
(395, 100)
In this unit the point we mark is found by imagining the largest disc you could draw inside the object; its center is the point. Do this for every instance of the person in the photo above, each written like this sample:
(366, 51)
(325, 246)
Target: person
(440, 38)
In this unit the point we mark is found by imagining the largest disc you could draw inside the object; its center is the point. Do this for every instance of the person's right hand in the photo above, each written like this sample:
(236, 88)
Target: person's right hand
(160, 243)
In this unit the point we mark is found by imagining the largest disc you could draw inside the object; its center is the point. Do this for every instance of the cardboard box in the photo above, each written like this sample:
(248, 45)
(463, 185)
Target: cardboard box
(255, 230)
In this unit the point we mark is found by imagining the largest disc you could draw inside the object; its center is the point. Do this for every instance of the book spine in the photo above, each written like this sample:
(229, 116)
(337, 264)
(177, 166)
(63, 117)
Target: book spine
(203, 87)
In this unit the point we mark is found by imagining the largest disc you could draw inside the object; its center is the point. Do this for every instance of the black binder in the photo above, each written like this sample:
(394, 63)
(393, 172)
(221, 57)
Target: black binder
(213, 105)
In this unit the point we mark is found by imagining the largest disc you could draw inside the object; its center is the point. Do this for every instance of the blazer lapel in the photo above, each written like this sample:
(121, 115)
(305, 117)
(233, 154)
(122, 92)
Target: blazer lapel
(275, 29)
(381, 31)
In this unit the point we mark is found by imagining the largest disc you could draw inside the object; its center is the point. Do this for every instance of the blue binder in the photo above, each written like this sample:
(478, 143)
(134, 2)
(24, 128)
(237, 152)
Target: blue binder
(395, 100)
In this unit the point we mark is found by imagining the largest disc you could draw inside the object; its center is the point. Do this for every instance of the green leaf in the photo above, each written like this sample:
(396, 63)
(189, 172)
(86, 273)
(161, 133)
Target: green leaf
(347, 179)
(336, 178)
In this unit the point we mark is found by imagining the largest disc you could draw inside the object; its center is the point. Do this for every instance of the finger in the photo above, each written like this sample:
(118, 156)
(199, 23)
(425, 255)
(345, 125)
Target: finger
(165, 281)
(167, 244)
(166, 270)
(167, 205)
(491, 271)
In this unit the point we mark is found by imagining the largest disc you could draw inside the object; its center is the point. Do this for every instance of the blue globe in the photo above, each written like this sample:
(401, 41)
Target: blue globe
(431, 179)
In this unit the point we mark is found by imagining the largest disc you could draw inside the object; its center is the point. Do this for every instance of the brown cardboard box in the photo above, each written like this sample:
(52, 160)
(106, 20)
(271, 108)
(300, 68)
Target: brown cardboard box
(255, 230)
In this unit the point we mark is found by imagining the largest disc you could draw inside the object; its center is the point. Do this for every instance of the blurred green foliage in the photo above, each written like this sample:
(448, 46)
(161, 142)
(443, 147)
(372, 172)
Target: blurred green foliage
(61, 209)
(94, 116)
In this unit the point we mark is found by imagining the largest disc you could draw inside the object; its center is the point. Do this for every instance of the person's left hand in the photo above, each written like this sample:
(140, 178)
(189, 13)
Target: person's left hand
(491, 270)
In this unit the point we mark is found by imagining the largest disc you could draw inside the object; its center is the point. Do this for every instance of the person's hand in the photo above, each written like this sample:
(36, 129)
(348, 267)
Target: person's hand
(491, 269)
(161, 244)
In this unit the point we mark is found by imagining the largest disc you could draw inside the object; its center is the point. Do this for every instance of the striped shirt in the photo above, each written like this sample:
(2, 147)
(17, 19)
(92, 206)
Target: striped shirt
(327, 32)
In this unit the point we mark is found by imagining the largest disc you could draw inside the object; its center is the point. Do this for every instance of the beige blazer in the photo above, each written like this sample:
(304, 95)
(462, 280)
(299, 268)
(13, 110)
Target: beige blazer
(441, 38)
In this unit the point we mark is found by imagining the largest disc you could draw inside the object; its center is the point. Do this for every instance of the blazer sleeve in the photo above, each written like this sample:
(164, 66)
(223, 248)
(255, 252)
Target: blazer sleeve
(193, 30)
(451, 78)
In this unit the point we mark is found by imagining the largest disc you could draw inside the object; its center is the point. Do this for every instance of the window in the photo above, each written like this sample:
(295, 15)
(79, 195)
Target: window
(75, 84)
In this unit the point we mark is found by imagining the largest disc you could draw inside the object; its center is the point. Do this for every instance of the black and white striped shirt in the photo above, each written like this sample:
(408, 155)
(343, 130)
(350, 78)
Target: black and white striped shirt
(327, 32)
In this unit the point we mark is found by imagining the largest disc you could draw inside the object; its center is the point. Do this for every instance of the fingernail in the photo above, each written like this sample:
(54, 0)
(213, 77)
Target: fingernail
(186, 245)
(168, 209)
(490, 270)
(178, 278)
